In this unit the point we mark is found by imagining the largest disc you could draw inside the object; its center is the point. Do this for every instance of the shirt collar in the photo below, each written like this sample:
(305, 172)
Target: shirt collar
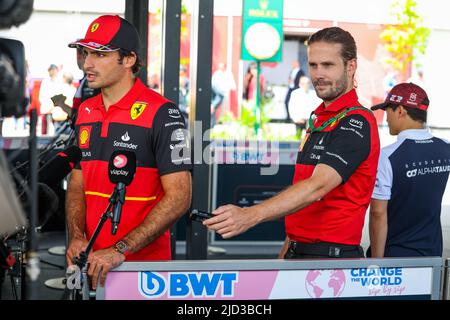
(350, 99)
(415, 134)
(127, 100)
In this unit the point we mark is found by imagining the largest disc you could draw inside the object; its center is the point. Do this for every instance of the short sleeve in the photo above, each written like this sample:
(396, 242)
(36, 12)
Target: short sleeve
(383, 182)
(349, 145)
(170, 140)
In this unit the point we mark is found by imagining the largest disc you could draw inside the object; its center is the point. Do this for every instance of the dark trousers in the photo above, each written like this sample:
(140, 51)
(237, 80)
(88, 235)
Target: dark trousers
(322, 250)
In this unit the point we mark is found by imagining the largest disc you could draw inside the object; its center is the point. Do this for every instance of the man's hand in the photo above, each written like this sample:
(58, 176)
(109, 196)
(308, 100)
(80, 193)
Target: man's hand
(284, 249)
(101, 262)
(231, 220)
(76, 246)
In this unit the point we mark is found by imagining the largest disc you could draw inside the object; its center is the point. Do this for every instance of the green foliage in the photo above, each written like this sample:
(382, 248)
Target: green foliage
(248, 117)
(243, 128)
(406, 38)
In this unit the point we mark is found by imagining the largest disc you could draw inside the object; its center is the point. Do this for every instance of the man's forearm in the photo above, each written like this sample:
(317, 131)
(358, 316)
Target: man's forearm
(378, 233)
(161, 218)
(75, 211)
(298, 196)
(230, 220)
(165, 213)
(288, 201)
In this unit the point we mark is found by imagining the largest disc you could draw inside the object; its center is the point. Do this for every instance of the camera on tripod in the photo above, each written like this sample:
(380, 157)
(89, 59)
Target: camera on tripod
(13, 101)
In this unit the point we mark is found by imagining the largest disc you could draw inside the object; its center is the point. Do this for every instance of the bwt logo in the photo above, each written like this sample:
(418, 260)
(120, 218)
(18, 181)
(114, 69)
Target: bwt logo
(183, 284)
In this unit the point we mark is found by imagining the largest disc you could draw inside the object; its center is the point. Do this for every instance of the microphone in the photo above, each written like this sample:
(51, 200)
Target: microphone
(121, 167)
(60, 166)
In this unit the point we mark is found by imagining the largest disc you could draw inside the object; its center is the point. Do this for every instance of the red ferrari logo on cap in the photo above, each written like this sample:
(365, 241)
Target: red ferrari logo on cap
(94, 27)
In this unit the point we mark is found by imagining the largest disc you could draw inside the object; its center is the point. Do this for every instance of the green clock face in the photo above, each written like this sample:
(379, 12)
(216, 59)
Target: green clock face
(262, 40)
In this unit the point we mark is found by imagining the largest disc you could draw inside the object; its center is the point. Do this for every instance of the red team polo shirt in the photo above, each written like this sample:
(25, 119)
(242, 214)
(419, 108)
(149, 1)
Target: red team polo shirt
(149, 125)
(351, 146)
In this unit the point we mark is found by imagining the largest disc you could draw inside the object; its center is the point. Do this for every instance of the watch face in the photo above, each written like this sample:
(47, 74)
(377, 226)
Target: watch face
(121, 246)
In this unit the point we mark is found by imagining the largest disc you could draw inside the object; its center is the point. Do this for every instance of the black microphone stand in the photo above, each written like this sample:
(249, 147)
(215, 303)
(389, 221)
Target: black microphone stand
(82, 292)
(120, 189)
(33, 268)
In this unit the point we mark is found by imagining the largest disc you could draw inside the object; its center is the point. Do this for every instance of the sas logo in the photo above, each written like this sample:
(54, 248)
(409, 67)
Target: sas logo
(137, 109)
(187, 284)
(95, 27)
(85, 134)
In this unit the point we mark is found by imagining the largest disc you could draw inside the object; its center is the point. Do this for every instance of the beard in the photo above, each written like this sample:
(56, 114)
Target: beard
(335, 89)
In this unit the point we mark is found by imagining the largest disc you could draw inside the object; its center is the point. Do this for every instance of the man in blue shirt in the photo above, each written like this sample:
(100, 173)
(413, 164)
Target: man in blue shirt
(411, 179)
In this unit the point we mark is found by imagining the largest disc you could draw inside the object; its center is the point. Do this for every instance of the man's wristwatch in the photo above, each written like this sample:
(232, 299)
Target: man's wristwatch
(122, 247)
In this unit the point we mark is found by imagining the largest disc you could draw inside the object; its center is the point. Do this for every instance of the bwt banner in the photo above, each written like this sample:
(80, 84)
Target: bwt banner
(263, 285)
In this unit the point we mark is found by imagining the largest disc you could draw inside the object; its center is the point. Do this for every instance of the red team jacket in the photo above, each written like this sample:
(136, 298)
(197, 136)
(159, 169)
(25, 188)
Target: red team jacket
(143, 122)
(349, 144)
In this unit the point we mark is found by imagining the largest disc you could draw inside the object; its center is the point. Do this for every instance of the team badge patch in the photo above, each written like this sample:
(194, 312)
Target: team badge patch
(85, 135)
(94, 27)
(137, 109)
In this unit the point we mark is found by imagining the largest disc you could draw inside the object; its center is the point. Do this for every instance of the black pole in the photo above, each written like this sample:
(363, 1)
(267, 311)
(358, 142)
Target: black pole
(82, 259)
(136, 12)
(199, 122)
(33, 268)
(170, 73)
(170, 55)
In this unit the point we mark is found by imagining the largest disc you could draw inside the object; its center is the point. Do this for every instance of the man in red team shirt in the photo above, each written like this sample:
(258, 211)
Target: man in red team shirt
(336, 164)
(125, 116)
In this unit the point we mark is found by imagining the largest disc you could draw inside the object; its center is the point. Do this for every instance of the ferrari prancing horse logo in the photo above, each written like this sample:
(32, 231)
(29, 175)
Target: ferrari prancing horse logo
(137, 109)
(94, 27)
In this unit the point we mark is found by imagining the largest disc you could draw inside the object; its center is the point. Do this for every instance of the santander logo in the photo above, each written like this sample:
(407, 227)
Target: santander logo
(126, 137)
(120, 161)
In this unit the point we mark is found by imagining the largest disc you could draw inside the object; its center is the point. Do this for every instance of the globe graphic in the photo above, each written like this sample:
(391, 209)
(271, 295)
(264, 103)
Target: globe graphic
(325, 283)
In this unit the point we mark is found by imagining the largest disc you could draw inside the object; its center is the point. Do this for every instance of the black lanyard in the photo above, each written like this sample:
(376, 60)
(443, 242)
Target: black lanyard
(331, 120)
